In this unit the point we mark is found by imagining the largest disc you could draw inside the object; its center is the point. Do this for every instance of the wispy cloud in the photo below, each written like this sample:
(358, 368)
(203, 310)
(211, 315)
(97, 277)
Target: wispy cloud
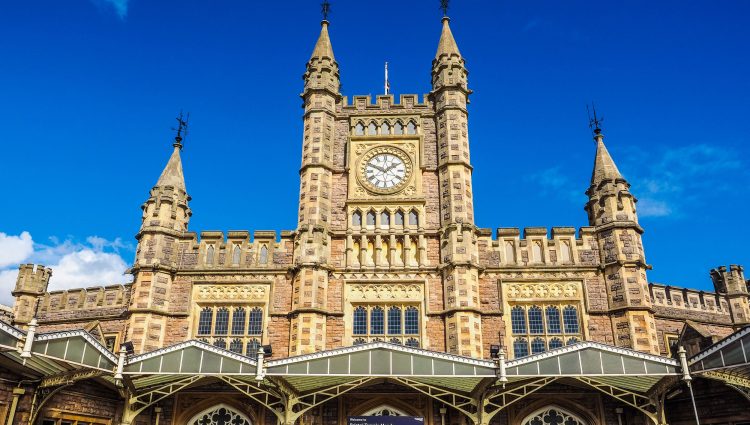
(96, 262)
(120, 7)
(669, 182)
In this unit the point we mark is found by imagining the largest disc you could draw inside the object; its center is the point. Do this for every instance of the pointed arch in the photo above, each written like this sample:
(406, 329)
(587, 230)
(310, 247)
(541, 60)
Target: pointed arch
(236, 253)
(553, 415)
(263, 255)
(359, 129)
(228, 415)
(357, 218)
(398, 218)
(372, 129)
(510, 252)
(411, 127)
(398, 128)
(370, 219)
(210, 254)
(385, 128)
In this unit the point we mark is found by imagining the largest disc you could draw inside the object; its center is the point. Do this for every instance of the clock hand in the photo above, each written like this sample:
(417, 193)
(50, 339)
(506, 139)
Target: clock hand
(378, 168)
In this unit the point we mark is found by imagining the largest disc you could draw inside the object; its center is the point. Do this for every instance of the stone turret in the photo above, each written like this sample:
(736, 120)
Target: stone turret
(459, 252)
(31, 283)
(165, 218)
(611, 210)
(732, 283)
(313, 238)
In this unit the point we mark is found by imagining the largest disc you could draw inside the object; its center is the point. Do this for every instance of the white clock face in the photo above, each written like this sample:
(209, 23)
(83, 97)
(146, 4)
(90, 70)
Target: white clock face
(385, 171)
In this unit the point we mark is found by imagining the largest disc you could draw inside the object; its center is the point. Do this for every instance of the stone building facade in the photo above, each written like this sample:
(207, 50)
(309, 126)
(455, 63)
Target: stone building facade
(386, 249)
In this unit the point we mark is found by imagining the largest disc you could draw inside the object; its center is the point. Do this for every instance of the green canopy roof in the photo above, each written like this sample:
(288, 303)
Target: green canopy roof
(727, 360)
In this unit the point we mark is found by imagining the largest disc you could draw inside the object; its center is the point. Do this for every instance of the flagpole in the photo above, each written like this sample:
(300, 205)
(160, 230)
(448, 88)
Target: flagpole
(386, 79)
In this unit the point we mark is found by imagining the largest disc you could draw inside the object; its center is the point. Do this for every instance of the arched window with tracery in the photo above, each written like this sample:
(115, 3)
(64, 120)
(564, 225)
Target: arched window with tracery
(552, 415)
(377, 320)
(238, 322)
(394, 320)
(219, 415)
(221, 326)
(385, 129)
(360, 321)
(356, 219)
(399, 218)
(411, 321)
(255, 324)
(518, 320)
(398, 128)
(555, 343)
(372, 129)
(411, 128)
(385, 219)
(553, 320)
(371, 218)
(520, 348)
(205, 320)
(537, 346)
(570, 319)
(413, 218)
(536, 324)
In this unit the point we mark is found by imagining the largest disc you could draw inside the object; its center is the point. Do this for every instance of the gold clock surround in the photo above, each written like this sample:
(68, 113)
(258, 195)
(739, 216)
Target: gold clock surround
(391, 150)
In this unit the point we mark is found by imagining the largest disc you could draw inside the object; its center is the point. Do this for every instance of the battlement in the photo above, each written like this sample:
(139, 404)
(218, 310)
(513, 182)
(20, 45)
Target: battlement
(688, 300)
(86, 302)
(236, 249)
(730, 281)
(385, 103)
(512, 246)
(32, 279)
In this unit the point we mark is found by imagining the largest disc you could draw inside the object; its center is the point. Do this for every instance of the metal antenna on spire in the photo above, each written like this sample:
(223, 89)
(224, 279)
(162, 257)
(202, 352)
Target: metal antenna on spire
(595, 123)
(325, 9)
(444, 7)
(182, 129)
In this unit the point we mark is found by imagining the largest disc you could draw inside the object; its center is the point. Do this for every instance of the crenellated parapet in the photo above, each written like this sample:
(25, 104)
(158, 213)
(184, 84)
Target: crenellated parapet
(236, 250)
(31, 283)
(538, 247)
(93, 303)
(384, 104)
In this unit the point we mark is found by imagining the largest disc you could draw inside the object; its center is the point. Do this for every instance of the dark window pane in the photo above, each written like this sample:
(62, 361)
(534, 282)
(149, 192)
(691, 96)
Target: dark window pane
(535, 320)
(222, 321)
(411, 321)
(377, 318)
(238, 322)
(537, 346)
(520, 348)
(570, 319)
(255, 324)
(394, 320)
(518, 320)
(360, 321)
(553, 320)
(204, 322)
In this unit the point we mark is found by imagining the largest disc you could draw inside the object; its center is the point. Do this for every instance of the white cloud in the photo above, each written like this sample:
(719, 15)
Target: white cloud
(653, 208)
(15, 249)
(119, 6)
(74, 265)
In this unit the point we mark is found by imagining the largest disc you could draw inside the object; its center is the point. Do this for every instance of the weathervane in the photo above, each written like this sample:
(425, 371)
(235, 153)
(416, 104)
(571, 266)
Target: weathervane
(444, 7)
(325, 9)
(182, 129)
(595, 122)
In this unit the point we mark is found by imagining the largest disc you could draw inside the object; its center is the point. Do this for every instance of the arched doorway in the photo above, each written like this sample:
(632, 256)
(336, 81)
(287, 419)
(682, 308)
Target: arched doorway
(552, 415)
(220, 414)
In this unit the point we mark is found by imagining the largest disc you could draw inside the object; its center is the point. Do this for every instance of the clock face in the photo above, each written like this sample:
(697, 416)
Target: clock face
(385, 171)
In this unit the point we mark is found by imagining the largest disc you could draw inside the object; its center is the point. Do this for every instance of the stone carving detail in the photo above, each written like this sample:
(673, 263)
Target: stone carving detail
(382, 291)
(543, 290)
(231, 292)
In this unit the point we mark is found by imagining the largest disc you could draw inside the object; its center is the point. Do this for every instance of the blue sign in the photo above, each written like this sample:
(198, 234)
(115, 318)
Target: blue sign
(386, 420)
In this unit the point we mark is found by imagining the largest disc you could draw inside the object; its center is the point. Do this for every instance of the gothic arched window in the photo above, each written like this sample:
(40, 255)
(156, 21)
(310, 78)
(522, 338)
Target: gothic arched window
(570, 320)
(252, 348)
(359, 129)
(518, 320)
(210, 254)
(536, 325)
(360, 321)
(412, 342)
(520, 348)
(372, 129)
(235, 346)
(385, 129)
(221, 326)
(236, 255)
(385, 219)
(263, 256)
(411, 321)
(371, 218)
(552, 415)
(219, 415)
(356, 219)
(221, 343)
(399, 218)
(555, 343)
(394, 321)
(411, 128)
(398, 128)
(238, 322)
(537, 346)
(572, 341)
(413, 218)
(553, 320)
(204, 322)
(359, 341)
(255, 323)
(377, 321)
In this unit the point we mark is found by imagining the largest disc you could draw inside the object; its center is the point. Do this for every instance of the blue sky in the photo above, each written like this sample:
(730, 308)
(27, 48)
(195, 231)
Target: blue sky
(89, 90)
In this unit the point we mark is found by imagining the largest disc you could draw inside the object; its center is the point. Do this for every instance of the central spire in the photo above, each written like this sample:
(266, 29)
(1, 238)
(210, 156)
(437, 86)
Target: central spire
(447, 44)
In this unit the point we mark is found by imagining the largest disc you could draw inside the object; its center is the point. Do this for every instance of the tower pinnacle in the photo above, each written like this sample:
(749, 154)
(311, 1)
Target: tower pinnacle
(447, 45)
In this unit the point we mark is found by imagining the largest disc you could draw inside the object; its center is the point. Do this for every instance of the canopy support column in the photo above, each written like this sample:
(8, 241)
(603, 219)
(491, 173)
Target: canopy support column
(688, 379)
